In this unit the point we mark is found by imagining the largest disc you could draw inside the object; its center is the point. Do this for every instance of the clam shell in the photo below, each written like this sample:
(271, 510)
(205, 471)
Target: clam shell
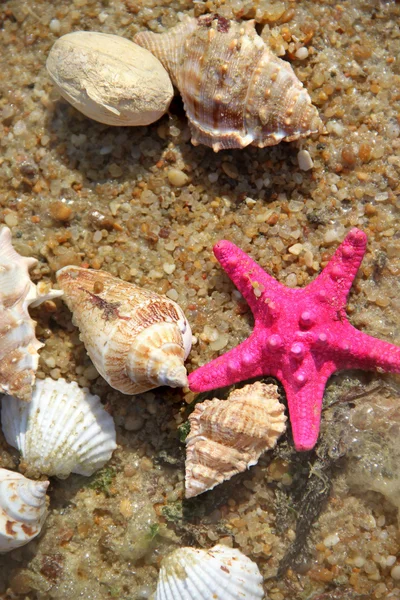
(220, 573)
(18, 347)
(137, 339)
(235, 91)
(109, 78)
(64, 430)
(23, 509)
(228, 436)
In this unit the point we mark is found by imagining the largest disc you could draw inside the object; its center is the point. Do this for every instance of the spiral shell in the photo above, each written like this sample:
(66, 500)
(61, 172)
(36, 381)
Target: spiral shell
(137, 339)
(23, 509)
(219, 573)
(18, 345)
(64, 430)
(235, 91)
(228, 436)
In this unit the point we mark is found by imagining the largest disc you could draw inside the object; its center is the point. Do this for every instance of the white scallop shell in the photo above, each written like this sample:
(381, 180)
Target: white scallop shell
(18, 345)
(23, 509)
(137, 339)
(220, 573)
(64, 430)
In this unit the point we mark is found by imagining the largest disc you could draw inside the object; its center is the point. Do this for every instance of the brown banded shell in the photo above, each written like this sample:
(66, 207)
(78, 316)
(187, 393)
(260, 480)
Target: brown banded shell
(235, 91)
(228, 436)
(137, 339)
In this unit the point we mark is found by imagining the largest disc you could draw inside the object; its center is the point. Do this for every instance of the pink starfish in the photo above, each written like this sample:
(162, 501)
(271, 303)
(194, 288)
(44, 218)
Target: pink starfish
(300, 336)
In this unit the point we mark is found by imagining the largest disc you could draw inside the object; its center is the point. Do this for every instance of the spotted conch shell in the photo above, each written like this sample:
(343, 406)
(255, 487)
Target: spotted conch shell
(235, 91)
(23, 509)
(228, 436)
(137, 339)
(18, 346)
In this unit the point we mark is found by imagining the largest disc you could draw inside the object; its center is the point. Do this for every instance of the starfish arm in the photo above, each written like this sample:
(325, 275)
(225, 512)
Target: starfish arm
(362, 351)
(334, 283)
(252, 281)
(305, 404)
(242, 362)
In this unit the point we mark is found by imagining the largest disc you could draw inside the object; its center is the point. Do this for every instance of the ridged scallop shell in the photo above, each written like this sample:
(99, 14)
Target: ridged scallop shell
(23, 509)
(228, 436)
(64, 430)
(18, 346)
(220, 573)
(137, 339)
(235, 91)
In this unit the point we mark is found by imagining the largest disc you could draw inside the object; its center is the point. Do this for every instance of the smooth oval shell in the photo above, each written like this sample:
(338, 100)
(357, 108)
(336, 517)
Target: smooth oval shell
(137, 339)
(23, 509)
(64, 430)
(220, 573)
(109, 78)
(18, 345)
(228, 436)
(235, 91)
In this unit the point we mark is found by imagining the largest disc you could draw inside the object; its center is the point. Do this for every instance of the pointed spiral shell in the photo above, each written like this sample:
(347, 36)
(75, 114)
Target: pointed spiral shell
(137, 339)
(235, 91)
(23, 509)
(228, 436)
(18, 345)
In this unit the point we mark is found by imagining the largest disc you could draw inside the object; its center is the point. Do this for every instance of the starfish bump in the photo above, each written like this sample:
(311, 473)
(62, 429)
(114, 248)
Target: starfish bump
(300, 336)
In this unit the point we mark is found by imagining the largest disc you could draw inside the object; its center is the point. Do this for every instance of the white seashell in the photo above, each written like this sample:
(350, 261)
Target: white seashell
(220, 573)
(228, 436)
(19, 347)
(137, 339)
(109, 78)
(23, 509)
(64, 430)
(234, 90)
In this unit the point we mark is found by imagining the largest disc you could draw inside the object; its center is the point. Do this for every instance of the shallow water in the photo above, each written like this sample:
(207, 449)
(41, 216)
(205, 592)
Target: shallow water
(321, 525)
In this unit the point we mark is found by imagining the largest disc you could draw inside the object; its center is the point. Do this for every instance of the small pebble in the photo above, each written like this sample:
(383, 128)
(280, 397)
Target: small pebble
(331, 540)
(291, 280)
(395, 573)
(305, 161)
(11, 220)
(301, 53)
(296, 249)
(60, 211)
(55, 26)
(177, 177)
(172, 294)
(169, 268)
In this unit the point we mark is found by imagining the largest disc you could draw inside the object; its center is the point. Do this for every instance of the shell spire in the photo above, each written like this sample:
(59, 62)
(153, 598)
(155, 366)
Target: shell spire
(235, 91)
(19, 347)
(137, 339)
(23, 509)
(228, 436)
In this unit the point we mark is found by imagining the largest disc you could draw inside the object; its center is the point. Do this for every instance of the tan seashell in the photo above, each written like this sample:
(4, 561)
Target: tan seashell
(235, 91)
(228, 436)
(137, 339)
(109, 78)
(19, 347)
